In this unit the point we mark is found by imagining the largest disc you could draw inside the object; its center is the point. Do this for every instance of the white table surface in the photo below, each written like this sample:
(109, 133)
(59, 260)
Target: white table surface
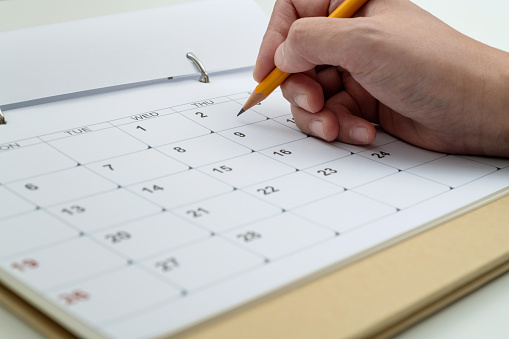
(482, 314)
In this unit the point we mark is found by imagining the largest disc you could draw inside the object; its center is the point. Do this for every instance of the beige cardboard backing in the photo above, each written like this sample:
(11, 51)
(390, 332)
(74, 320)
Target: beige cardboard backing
(375, 297)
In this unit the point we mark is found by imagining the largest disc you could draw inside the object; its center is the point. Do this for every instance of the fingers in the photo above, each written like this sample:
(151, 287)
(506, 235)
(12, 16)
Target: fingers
(303, 92)
(367, 105)
(331, 81)
(334, 80)
(323, 124)
(339, 125)
(284, 14)
(353, 129)
(327, 41)
(336, 121)
(312, 89)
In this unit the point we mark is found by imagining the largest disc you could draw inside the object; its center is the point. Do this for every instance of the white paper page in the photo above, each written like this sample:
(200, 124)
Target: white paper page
(126, 48)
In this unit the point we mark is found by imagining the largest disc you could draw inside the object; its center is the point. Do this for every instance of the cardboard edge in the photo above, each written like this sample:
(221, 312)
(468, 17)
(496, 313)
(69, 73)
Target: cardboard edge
(442, 303)
(32, 316)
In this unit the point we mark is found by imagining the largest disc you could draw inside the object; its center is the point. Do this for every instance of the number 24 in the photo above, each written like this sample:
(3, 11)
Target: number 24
(380, 155)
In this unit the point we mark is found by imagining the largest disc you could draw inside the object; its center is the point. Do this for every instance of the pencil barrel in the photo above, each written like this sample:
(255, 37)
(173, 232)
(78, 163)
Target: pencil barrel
(347, 9)
(272, 81)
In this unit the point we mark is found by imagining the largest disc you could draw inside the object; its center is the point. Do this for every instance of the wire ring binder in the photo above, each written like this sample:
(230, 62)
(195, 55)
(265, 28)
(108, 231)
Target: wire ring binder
(2, 118)
(204, 76)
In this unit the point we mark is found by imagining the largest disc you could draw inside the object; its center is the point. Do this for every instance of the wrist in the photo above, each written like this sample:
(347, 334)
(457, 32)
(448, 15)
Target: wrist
(496, 101)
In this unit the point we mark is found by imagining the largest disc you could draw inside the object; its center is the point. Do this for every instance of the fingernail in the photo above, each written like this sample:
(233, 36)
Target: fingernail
(316, 128)
(279, 57)
(359, 134)
(301, 100)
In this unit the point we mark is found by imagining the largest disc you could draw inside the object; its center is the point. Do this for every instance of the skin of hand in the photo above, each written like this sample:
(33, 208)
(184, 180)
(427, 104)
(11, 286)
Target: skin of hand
(393, 64)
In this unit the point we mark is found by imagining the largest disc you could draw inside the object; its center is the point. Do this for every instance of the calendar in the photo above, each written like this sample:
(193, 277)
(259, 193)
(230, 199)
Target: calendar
(142, 212)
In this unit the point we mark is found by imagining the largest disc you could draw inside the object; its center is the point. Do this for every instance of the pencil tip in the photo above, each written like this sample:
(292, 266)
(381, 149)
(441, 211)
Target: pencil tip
(241, 111)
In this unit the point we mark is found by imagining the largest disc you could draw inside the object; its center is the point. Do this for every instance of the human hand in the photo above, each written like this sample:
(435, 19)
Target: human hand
(395, 65)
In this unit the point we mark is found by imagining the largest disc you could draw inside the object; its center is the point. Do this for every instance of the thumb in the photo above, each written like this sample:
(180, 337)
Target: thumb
(320, 41)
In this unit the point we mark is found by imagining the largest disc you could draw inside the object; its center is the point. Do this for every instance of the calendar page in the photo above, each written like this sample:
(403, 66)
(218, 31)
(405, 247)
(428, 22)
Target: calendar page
(139, 213)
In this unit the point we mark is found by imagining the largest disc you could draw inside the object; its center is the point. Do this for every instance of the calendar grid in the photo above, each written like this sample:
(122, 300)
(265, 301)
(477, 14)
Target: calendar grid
(165, 197)
(34, 207)
(466, 183)
(175, 112)
(38, 248)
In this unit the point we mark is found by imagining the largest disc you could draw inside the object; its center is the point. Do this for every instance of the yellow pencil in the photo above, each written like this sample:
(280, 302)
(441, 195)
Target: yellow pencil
(346, 10)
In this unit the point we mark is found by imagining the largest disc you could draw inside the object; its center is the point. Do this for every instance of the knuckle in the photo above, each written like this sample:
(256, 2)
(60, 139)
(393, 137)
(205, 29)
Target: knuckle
(365, 41)
(297, 42)
(298, 33)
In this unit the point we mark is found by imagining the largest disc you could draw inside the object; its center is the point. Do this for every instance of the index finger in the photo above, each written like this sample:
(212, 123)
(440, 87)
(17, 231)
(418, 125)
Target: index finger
(284, 14)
